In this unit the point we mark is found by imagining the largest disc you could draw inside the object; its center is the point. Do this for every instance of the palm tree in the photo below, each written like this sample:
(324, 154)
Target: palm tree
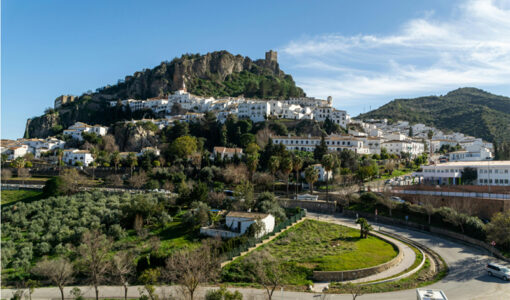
(286, 167)
(274, 164)
(328, 162)
(311, 176)
(116, 160)
(60, 155)
(297, 164)
(133, 162)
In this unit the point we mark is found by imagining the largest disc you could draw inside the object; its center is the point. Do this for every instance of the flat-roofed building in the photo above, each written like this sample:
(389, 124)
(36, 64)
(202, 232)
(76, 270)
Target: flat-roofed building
(493, 172)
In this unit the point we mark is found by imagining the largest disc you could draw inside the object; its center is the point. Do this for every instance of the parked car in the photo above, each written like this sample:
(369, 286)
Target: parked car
(498, 271)
(397, 199)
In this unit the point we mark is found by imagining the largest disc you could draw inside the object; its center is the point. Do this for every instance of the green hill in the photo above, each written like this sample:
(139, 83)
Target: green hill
(467, 110)
(217, 74)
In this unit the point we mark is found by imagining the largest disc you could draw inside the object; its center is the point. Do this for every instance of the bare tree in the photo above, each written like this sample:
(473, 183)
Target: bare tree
(387, 201)
(354, 289)
(235, 174)
(94, 258)
(114, 180)
(6, 173)
(190, 268)
(265, 270)
(138, 180)
(122, 269)
(72, 180)
(428, 208)
(109, 144)
(59, 271)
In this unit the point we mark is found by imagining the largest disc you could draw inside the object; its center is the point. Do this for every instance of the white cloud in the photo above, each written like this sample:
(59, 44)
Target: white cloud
(470, 49)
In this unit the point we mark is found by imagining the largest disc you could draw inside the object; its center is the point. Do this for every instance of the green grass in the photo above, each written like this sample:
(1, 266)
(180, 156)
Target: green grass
(13, 196)
(319, 246)
(41, 179)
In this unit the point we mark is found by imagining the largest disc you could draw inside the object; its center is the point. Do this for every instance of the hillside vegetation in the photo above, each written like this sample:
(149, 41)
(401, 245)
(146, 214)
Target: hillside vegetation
(467, 110)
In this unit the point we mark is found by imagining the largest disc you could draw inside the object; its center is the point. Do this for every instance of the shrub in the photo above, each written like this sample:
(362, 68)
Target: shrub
(369, 198)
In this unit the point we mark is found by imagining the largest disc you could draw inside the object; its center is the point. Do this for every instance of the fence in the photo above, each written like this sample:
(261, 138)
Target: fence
(254, 241)
(455, 194)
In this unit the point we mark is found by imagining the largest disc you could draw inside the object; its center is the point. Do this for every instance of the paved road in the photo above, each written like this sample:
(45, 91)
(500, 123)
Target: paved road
(466, 280)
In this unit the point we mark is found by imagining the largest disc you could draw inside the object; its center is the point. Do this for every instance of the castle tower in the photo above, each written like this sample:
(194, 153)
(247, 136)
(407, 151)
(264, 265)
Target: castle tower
(271, 56)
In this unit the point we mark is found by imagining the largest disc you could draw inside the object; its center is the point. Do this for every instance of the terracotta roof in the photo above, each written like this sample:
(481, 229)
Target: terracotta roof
(228, 150)
(247, 215)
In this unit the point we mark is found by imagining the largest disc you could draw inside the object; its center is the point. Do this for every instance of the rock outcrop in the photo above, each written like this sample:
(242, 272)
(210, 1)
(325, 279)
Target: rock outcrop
(204, 75)
(133, 137)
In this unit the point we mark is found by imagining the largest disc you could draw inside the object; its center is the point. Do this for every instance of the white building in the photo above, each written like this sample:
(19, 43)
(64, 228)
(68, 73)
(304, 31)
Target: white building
(334, 143)
(397, 147)
(339, 117)
(436, 144)
(76, 130)
(72, 156)
(16, 151)
(464, 155)
(224, 152)
(257, 111)
(489, 172)
(237, 223)
(153, 150)
(323, 174)
(39, 146)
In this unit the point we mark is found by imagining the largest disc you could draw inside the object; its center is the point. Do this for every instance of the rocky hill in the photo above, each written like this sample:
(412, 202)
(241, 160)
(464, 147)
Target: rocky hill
(214, 74)
(467, 110)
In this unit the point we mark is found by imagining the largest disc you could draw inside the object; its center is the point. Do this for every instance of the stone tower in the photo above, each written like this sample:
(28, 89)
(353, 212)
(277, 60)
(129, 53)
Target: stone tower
(271, 56)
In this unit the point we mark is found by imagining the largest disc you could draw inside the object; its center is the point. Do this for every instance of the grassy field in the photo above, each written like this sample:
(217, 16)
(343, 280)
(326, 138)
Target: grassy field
(320, 246)
(13, 196)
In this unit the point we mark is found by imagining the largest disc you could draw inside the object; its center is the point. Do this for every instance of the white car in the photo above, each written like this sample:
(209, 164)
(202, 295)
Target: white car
(498, 271)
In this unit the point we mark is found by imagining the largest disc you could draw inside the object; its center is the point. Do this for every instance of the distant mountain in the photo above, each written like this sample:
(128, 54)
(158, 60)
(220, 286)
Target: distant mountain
(217, 74)
(468, 110)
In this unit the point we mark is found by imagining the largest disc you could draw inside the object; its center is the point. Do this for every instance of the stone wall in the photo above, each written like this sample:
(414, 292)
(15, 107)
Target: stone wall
(359, 273)
(481, 207)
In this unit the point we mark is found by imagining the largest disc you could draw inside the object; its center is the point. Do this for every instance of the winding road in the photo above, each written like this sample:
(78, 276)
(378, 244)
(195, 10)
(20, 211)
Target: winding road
(467, 278)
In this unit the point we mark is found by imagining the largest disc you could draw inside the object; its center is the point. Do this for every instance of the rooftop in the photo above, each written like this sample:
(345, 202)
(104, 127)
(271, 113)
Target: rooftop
(490, 163)
(247, 215)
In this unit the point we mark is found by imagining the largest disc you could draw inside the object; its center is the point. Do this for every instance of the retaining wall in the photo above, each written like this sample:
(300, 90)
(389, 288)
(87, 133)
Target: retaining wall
(313, 206)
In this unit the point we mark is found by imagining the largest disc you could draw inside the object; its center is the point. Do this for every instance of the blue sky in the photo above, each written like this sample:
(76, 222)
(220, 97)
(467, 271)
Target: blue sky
(363, 53)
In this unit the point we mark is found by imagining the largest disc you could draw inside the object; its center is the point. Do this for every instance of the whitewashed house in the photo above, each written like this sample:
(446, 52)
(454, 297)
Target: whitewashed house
(76, 130)
(257, 111)
(397, 147)
(323, 174)
(224, 152)
(16, 151)
(237, 223)
(72, 156)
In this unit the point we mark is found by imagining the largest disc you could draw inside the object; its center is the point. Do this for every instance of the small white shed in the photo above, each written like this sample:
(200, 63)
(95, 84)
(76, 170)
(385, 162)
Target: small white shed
(239, 221)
